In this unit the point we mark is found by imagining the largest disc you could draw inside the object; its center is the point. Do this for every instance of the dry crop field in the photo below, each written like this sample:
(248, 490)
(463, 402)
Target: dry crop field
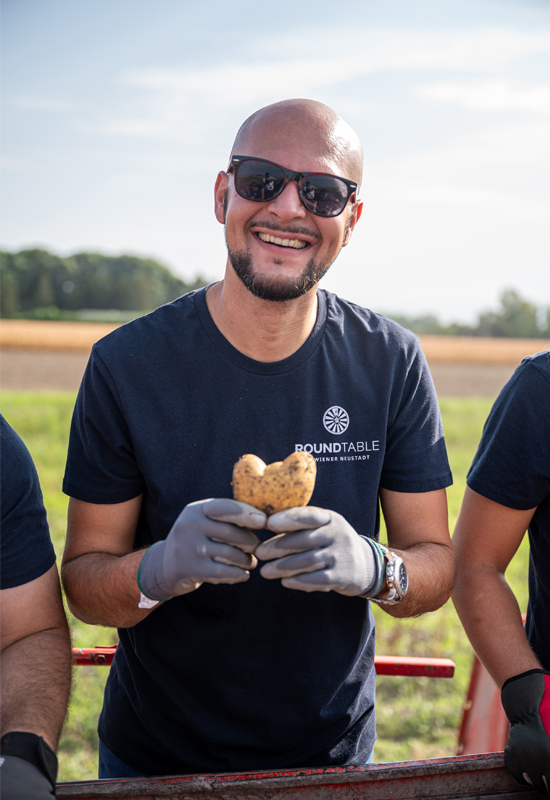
(46, 335)
(480, 349)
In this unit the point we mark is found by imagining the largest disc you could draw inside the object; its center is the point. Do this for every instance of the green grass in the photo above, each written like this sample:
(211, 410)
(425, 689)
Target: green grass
(417, 717)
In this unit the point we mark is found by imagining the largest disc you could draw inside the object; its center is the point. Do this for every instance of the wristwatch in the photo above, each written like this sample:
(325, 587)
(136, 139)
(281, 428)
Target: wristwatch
(397, 579)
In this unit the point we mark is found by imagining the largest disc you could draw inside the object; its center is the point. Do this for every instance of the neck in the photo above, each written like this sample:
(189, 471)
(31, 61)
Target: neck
(260, 329)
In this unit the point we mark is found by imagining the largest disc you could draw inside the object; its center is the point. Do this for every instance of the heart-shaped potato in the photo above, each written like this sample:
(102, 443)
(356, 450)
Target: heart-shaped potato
(271, 488)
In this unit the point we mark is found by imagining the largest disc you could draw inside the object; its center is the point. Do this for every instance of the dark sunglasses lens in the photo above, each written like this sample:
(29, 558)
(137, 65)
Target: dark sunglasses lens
(325, 195)
(258, 180)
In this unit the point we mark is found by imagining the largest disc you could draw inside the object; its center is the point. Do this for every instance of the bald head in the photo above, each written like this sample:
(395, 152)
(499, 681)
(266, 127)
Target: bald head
(307, 126)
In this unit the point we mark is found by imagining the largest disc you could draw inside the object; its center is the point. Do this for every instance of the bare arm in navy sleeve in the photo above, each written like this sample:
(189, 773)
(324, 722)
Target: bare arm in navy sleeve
(418, 531)
(100, 565)
(36, 658)
(486, 538)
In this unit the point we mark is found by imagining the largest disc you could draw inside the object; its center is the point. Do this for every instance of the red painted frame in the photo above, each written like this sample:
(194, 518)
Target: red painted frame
(384, 665)
(460, 777)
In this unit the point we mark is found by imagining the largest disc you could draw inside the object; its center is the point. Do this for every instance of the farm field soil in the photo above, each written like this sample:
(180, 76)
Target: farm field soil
(39, 370)
(62, 370)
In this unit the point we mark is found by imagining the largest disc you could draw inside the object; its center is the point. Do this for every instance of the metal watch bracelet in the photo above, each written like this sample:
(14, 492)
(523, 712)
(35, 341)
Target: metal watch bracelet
(396, 579)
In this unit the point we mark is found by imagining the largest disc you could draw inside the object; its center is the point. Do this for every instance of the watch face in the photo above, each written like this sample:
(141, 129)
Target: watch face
(403, 578)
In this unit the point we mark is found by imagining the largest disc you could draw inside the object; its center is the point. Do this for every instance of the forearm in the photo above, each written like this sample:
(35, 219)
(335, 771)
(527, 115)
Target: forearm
(36, 682)
(492, 619)
(102, 589)
(431, 571)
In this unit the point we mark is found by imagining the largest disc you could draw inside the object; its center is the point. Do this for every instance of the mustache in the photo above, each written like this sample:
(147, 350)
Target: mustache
(287, 230)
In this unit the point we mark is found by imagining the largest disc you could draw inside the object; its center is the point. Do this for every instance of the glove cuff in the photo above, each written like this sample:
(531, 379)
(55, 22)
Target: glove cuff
(523, 675)
(150, 576)
(380, 569)
(523, 694)
(32, 748)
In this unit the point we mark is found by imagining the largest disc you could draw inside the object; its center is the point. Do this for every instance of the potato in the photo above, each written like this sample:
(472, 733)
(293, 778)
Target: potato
(271, 488)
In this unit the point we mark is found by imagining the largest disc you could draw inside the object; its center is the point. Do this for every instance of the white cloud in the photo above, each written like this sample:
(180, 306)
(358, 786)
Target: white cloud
(392, 49)
(446, 229)
(489, 95)
(183, 103)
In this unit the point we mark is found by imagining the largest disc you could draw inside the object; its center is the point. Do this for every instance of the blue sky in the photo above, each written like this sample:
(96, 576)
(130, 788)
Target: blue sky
(118, 115)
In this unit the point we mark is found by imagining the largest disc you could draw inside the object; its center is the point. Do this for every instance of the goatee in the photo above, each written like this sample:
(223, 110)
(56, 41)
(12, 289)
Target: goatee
(279, 290)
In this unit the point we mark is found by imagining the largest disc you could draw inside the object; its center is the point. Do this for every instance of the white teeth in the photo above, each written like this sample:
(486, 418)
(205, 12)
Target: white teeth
(295, 243)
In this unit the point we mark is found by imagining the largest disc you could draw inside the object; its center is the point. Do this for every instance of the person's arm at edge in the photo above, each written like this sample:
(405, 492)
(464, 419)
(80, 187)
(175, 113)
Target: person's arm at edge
(418, 531)
(486, 537)
(100, 565)
(36, 658)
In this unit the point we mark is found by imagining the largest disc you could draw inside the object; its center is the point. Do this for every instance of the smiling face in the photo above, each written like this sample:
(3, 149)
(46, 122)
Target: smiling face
(277, 248)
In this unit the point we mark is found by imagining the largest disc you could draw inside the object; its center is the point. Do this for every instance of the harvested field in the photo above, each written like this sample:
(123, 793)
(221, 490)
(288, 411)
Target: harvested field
(80, 336)
(479, 349)
(45, 335)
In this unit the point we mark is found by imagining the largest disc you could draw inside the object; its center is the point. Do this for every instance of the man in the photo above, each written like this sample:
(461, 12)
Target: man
(238, 667)
(508, 492)
(36, 648)
(269, 186)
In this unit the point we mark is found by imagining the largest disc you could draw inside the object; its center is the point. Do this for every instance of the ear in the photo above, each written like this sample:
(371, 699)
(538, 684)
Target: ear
(222, 182)
(356, 212)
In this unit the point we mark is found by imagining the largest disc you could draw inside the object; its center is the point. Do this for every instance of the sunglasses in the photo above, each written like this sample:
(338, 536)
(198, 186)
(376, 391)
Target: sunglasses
(321, 193)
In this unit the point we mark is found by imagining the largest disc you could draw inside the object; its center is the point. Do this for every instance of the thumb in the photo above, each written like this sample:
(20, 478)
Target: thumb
(244, 515)
(297, 519)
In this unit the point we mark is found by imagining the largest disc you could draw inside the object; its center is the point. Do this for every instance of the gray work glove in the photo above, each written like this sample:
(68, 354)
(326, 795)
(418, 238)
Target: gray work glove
(319, 551)
(208, 543)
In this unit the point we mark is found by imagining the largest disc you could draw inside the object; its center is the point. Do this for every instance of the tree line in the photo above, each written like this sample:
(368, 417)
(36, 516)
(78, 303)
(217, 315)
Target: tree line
(515, 317)
(40, 285)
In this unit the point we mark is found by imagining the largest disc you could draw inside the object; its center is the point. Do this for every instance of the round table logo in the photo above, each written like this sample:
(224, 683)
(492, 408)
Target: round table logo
(336, 419)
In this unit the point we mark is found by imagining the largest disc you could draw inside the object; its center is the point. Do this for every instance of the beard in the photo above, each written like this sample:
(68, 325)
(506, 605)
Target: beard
(279, 290)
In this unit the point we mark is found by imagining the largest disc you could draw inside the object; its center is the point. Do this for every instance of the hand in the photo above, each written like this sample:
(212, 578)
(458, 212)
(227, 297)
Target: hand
(209, 542)
(21, 780)
(319, 551)
(526, 701)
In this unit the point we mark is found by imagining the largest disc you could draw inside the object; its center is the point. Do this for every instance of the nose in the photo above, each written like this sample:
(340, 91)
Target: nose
(288, 205)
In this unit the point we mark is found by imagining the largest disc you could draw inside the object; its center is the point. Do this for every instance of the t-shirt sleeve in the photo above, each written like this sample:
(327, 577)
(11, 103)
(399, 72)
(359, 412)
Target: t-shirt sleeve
(511, 464)
(26, 550)
(101, 465)
(416, 456)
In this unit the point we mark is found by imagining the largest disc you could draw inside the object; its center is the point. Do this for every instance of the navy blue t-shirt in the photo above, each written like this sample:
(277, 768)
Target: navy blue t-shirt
(512, 467)
(26, 550)
(251, 676)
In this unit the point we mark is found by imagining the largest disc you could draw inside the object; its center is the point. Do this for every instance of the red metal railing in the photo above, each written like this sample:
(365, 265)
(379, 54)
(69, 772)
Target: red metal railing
(414, 667)
(94, 656)
(384, 665)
